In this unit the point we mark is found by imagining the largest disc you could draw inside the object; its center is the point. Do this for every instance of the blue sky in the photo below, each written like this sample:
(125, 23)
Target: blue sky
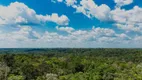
(71, 23)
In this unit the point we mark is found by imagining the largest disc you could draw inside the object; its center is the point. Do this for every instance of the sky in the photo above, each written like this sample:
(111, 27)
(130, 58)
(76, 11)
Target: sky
(70, 24)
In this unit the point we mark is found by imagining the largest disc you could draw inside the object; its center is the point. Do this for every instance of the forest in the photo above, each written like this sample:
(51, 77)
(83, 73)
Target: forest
(71, 64)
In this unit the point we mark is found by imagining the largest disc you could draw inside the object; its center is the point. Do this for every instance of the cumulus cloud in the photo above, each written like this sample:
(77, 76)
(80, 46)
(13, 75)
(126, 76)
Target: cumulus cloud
(91, 9)
(129, 20)
(96, 37)
(59, 0)
(66, 29)
(54, 1)
(27, 37)
(19, 13)
(120, 3)
(24, 33)
(71, 2)
(62, 20)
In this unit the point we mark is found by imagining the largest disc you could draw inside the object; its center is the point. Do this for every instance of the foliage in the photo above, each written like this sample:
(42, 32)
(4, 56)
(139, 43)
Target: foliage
(71, 64)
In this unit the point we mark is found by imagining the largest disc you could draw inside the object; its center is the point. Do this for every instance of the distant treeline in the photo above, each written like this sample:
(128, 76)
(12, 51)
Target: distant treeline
(70, 64)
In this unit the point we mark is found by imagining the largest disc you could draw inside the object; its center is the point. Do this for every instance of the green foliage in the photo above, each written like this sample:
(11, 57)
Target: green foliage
(4, 70)
(15, 77)
(71, 64)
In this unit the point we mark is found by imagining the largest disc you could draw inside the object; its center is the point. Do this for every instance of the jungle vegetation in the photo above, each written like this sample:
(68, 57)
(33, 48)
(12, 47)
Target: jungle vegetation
(71, 64)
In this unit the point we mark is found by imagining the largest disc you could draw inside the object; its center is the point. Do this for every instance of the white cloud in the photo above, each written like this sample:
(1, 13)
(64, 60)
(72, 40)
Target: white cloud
(59, 0)
(24, 36)
(97, 37)
(21, 35)
(66, 29)
(81, 38)
(91, 9)
(70, 2)
(120, 3)
(129, 20)
(62, 20)
(54, 1)
(19, 13)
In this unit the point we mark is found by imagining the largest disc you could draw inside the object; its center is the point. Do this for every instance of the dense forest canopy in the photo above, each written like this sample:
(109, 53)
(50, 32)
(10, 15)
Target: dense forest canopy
(71, 64)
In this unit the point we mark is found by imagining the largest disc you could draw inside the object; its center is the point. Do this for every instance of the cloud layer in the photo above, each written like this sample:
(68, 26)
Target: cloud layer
(120, 3)
(22, 18)
(19, 13)
(128, 20)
